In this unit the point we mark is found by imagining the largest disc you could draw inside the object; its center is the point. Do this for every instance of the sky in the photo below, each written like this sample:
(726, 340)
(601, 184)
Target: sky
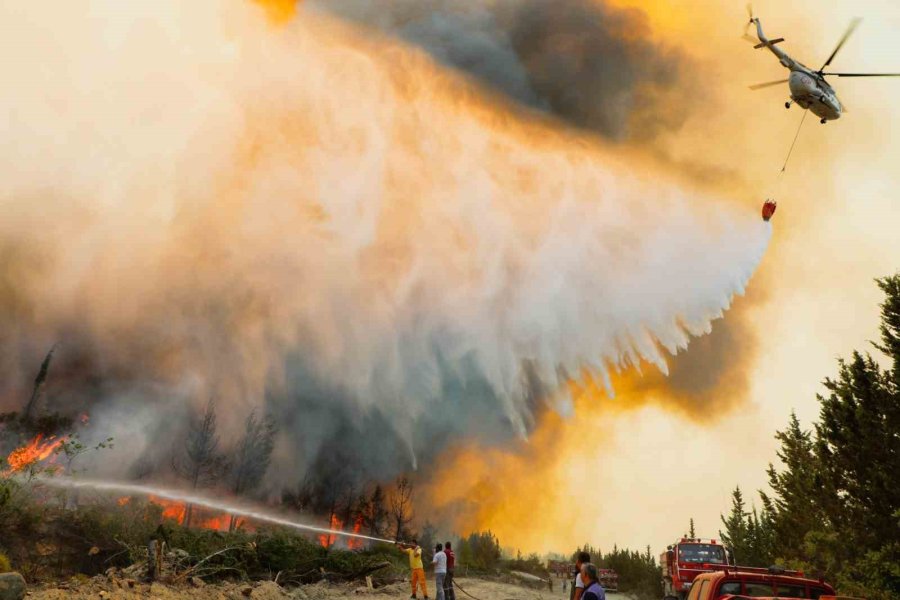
(632, 473)
(295, 214)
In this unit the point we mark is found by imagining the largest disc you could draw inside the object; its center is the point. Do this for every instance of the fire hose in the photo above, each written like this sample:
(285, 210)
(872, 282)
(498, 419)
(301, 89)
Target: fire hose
(464, 591)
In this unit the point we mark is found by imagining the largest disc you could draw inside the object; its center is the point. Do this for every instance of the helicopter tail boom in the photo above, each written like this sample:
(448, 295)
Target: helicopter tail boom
(765, 42)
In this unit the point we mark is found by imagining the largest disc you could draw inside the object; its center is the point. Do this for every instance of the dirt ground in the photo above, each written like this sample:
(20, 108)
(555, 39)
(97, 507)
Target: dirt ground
(102, 588)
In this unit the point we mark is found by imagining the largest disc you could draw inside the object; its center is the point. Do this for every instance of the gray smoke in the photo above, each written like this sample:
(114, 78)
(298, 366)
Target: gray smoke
(591, 64)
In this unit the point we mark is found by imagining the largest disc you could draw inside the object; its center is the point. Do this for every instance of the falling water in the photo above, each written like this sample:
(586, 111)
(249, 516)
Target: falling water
(178, 496)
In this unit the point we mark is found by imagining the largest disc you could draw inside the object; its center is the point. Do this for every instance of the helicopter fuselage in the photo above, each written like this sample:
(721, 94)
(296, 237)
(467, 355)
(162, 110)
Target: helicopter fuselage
(808, 88)
(813, 93)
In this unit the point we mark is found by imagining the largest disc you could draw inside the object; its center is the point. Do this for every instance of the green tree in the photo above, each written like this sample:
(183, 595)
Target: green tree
(795, 507)
(735, 534)
(834, 507)
(691, 533)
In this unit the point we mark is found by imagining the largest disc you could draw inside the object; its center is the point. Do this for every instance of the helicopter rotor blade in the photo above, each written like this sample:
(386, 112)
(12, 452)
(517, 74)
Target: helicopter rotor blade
(862, 74)
(850, 29)
(760, 86)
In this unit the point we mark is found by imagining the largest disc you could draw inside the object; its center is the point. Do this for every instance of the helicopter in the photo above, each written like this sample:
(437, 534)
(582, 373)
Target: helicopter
(808, 87)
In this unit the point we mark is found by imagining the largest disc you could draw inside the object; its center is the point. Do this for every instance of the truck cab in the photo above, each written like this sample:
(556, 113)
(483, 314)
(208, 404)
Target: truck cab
(748, 582)
(686, 559)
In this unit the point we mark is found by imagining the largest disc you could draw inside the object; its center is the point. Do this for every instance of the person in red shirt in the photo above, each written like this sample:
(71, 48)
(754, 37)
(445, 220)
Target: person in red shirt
(449, 593)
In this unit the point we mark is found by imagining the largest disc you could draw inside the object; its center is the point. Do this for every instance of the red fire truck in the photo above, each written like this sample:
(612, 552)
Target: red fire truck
(609, 579)
(685, 560)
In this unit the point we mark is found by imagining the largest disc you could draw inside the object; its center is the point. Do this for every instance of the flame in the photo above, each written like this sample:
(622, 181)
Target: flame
(356, 543)
(328, 540)
(84, 418)
(172, 509)
(201, 518)
(35, 451)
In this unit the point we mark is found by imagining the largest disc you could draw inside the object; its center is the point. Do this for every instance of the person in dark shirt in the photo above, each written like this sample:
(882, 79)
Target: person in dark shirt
(592, 588)
(449, 592)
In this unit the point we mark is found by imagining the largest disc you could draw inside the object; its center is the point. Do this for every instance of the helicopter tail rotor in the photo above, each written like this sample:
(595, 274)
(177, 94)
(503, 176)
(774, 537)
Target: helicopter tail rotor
(749, 24)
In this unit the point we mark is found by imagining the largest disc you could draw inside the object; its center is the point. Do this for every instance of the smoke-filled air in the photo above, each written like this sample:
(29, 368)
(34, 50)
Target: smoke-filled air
(341, 223)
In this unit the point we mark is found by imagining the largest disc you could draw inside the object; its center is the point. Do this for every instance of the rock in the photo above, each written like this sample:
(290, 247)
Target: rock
(247, 591)
(12, 586)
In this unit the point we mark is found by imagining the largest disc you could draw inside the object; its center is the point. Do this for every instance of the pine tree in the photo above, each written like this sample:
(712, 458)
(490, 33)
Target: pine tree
(252, 456)
(835, 504)
(376, 512)
(692, 534)
(735, 534)
(795, 506)
(200, 461)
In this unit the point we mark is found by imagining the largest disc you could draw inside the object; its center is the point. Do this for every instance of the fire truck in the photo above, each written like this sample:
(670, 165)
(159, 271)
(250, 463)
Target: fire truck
(609, 579)
(744, 583)
(685, 560)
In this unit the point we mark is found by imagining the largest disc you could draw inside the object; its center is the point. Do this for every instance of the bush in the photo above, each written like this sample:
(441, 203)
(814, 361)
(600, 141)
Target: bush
(5, 567)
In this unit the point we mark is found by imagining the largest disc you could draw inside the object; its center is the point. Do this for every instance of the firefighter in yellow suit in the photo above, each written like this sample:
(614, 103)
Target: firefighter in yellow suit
(415, 565)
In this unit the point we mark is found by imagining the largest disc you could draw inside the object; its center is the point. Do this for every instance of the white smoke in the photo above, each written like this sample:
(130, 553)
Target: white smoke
(194, 203)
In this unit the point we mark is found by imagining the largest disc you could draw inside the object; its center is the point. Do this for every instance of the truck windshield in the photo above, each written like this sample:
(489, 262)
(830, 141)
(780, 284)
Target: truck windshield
(701, 553)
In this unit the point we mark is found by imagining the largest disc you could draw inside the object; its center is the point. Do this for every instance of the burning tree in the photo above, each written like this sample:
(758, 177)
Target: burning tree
(375, 512)
(252, 457)
(39, 384)
(200, 461)
(401, 505)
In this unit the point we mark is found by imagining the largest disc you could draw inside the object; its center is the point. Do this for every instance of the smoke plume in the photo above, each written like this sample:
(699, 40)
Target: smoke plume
(335, 228)
(591, 64)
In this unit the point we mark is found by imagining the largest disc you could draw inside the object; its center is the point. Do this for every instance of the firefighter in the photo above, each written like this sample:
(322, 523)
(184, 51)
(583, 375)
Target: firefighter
(414, 551)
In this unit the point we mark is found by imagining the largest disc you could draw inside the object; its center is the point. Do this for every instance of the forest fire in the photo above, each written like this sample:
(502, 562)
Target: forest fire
(35, 451)
(328, 540)
(200, 518)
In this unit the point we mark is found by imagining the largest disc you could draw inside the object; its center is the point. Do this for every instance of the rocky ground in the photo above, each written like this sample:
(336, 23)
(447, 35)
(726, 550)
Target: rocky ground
(106, 588)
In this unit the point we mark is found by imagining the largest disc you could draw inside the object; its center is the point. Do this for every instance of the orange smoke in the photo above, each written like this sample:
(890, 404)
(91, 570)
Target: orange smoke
(279, 11)
(551, 474)
(35, 451)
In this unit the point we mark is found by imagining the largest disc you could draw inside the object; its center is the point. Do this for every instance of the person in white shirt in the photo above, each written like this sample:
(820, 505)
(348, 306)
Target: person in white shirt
(440, 570)
(578, 586)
